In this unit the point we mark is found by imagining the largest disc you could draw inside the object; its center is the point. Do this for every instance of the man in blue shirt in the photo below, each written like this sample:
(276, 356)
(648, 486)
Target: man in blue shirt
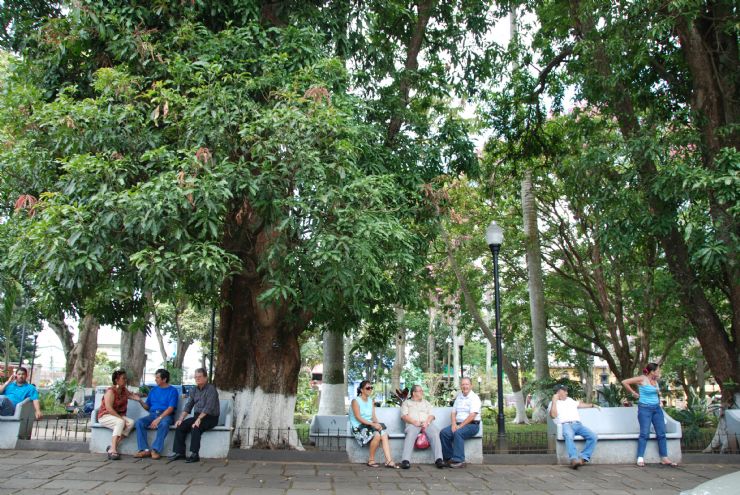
(16, 390)
(161, 404)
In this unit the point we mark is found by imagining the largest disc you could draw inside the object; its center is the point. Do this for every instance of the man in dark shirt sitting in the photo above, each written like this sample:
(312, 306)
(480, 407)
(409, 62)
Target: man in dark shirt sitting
(203, 402)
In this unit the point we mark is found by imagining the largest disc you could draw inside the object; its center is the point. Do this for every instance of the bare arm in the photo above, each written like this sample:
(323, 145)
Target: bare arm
(37, 407)
(554, 407)
(108, 398)
(636, 380)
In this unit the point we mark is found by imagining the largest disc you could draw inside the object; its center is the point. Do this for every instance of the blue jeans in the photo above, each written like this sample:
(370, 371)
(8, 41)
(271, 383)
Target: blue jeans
(453, 444)
(570, 430)
(645, 416)
(142, 425)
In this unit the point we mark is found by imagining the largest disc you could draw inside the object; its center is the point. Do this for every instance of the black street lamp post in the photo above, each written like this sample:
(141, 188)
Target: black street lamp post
(494, 238)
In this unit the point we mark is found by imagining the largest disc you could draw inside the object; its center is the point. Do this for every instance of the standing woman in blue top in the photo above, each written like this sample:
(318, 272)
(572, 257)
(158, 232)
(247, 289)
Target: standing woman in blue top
(649, 412)
(365, 426)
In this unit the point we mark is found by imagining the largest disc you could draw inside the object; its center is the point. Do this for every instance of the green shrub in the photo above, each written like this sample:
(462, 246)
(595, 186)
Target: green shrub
(612, 395)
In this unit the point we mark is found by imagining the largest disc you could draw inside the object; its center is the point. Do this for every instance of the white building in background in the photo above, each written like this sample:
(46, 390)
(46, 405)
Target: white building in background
(50, 359)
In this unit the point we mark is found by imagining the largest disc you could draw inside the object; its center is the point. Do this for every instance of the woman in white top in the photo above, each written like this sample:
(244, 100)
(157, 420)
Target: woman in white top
(417, 414)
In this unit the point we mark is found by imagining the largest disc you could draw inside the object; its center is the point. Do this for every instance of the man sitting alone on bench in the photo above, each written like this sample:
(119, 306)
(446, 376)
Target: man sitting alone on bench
(564, 411)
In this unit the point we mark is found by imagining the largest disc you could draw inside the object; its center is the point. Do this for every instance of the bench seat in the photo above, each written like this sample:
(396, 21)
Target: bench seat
(214, 443)
(617, 429)
(19, 425)
(391, 416)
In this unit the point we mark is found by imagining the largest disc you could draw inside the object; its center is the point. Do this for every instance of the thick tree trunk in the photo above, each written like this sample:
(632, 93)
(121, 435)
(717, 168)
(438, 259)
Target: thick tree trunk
(333, 390)
(81, 361)
(536, 288)
(259, 361)
(133, 355)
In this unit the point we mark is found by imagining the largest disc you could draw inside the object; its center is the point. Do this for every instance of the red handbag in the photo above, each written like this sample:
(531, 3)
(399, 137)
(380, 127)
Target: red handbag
(422, 442)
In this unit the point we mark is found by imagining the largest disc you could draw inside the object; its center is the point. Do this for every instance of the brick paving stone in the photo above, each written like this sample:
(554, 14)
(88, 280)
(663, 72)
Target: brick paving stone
(311, 485)
(43, 491)
(258, 491)
(120, 487)
(15, 483)
(241, 482)
(208, 490)
(71, 484)
(163, 489)
(302, 491)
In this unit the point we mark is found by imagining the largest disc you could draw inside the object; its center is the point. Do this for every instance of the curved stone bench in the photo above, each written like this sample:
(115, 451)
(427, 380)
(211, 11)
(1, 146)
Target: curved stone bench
(19, 425)
(618, 430)
(391, 416)
(214, 443)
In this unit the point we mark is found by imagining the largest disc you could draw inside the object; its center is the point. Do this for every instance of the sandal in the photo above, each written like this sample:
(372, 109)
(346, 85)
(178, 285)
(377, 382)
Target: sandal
(669, 463)
(392, 465)
(373, 464)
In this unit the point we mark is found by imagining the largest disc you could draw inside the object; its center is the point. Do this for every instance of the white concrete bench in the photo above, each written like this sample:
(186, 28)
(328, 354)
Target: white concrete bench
(391, 416)
(214, 443)
(19, 425)
(617, 430)
(329, 432)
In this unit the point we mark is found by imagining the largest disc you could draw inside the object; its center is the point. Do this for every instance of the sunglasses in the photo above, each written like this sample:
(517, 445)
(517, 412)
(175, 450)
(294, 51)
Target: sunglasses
(368, 388)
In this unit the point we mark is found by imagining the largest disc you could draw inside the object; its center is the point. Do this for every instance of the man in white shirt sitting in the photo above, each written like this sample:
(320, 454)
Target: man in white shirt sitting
(465, 424)
(564, 411)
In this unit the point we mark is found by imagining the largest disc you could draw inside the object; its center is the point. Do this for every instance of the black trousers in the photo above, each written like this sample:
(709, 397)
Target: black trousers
(181, 433)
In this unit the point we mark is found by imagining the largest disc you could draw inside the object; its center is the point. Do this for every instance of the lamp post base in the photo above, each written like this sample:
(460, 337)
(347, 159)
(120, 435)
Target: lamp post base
(502, 444)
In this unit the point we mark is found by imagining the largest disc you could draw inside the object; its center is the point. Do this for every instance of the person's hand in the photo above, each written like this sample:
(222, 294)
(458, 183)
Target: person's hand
(196, 424)
(153, 425)
(39, 415)
(178, 423)
(555, 397)
(453, 427)
(12, 378)
(635, 395)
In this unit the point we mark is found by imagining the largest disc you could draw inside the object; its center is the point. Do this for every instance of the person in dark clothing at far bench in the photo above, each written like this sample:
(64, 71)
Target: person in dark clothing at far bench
(204, 403)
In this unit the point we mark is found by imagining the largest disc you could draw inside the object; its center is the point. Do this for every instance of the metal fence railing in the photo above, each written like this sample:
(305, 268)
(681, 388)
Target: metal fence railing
(60, 429)
(72, 428)
(535, 442)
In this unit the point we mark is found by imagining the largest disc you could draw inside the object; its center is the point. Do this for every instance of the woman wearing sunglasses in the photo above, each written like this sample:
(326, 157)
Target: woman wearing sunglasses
(366, 428)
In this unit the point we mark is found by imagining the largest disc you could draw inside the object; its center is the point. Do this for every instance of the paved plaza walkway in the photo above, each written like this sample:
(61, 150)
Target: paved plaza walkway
(41, 472)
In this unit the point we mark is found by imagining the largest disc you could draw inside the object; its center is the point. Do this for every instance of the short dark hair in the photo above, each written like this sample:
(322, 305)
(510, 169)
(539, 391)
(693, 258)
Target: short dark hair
(21, 368)
(116, 374)
(202, 371)
(163, 374)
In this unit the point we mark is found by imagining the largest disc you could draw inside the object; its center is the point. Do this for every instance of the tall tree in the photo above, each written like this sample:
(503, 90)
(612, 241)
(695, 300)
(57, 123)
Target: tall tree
(667, 74)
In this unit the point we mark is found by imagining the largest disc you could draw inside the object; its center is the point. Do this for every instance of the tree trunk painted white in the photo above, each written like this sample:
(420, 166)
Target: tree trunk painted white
(521, 409)
(332, 388)
(263, 420)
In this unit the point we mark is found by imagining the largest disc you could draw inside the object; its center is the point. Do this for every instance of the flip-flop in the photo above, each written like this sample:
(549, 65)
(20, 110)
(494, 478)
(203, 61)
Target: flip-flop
(669, 464)
(373, 464)
(392, 465)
